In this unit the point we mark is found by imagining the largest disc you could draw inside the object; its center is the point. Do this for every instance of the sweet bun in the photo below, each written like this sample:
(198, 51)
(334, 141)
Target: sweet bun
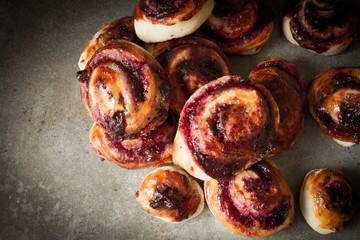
(122, 28)
(334, 102)
(324, 27)
(255, 203)
(125, 90)
(170, 194)
(326, 200)
(150, 150)
(288, 88)
(191, 62)
(240, 27)
(226, 126)
(158, 20)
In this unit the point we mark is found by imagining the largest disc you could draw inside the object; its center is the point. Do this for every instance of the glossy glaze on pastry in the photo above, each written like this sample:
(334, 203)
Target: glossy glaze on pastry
(122, 28)
(326, 200)
(255, 203)
(150, 150)
(191, 62)
(226, 126)
(288, 88)
(170, 194)
(125, 90)
(334, 101)
(325, 27)
(240, 27)
(162, 20)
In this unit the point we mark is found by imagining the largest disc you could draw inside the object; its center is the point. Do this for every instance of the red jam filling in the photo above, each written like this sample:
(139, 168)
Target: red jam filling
(155, 9)
(340, 195)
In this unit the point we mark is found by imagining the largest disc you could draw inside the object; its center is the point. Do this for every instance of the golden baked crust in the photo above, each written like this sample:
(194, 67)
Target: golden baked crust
(326, 200)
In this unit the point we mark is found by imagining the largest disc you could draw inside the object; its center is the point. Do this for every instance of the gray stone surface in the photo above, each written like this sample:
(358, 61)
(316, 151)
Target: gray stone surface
(53, 186)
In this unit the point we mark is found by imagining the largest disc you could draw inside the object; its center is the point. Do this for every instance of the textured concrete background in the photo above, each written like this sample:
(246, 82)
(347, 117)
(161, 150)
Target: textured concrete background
(53, 186)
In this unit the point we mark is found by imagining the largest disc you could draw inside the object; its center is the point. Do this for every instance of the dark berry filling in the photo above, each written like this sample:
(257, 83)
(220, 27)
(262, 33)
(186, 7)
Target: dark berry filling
(156, 9)
(340, 195)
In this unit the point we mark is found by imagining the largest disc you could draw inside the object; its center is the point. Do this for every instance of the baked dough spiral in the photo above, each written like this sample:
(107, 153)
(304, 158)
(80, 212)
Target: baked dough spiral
(334, 101)
(240, 27)
(255, 203)
(288, 88)
(162, 20)
(125, 90)
(150, 150)
(170, 194)
(326, 200)
(191, 62)
(122, 28)
(226, 126)
(325, 27)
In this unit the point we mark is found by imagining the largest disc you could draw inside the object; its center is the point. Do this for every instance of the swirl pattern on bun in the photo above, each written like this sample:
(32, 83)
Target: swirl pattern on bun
(288, 88)
(326, 200)
(334, 101)
(125, 90)
(325, 27)
(226, 126)
(170, 194)
(162, 20)
(255, 203)
(191, 62)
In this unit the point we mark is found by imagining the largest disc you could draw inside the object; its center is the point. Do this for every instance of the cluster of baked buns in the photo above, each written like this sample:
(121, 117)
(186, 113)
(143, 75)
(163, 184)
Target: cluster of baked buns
(161, 90)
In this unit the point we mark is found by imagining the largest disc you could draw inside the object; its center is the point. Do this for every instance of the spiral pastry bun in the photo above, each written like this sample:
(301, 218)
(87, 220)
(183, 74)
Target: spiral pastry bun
(191, 62)
(326, 200)
(150, 150)
(170, 194)
(240, 27)
(122, 28)
(125, 90)
(288, 88)
(324, 27)
(226, 126)
(159, 20)
(334, 101)
(255, 203)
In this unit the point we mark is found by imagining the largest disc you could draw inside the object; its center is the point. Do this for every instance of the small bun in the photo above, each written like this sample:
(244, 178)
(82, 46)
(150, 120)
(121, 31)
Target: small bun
(255, 203)
(334, 98)
(324, 27)
(170, 194)
(239, 27)
(326, 200)
(157, 21)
